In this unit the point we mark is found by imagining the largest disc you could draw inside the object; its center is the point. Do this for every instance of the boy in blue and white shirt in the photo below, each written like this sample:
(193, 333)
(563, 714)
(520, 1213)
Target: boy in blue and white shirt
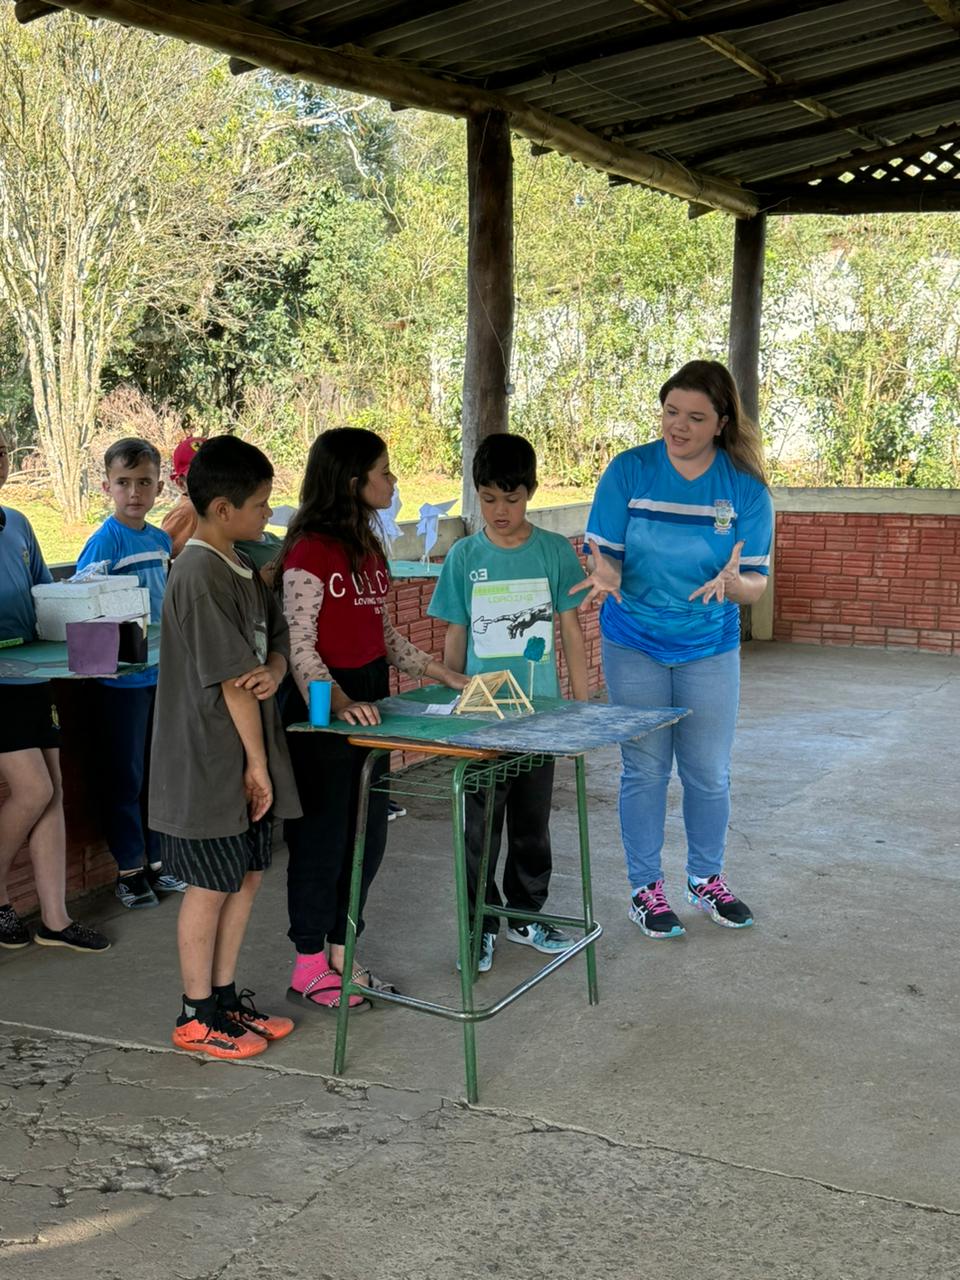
(125, 705)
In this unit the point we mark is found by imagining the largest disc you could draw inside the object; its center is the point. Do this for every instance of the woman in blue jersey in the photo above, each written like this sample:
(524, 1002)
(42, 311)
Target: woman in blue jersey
(680, 534)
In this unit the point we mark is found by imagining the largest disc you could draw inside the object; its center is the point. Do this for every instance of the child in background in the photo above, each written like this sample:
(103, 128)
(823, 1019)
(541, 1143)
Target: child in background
(221, 768)
(181, 521)
(335, 582)
(30, 754)
(124, 705)
(497, 589)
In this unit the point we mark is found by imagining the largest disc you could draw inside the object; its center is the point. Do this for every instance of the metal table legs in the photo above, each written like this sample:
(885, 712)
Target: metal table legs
(452, 776)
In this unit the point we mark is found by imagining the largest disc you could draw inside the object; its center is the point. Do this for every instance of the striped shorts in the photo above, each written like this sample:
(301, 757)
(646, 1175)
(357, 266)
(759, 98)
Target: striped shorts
(219, 864)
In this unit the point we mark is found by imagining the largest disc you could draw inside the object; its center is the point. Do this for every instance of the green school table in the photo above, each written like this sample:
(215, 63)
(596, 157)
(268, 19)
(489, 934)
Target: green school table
(472, 754)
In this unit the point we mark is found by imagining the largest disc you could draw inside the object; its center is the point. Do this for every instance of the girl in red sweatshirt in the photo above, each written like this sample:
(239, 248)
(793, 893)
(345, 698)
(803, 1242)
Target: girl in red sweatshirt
(335, 582)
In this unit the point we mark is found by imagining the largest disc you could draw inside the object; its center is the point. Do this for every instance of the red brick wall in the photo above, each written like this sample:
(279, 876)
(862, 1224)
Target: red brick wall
(868, 579)
(89, 865)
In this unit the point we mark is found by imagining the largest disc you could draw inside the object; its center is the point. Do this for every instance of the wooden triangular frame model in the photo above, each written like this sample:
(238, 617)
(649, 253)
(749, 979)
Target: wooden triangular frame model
(485, 692)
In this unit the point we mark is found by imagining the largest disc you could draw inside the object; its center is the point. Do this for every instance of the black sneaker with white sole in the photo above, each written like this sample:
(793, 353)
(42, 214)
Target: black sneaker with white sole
(13, 932)
(652, 914)
(720, 903)
(75, 936)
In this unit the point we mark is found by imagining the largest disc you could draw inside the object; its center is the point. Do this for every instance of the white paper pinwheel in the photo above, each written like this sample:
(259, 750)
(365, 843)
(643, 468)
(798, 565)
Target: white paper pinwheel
(429, 524)
(385, 522)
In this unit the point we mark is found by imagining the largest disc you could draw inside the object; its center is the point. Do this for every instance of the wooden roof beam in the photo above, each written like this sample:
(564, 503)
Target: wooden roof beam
(356, 30)
(30, 10)
(750, 64)
(866, 159)
(674, 31)
(838, 124)
(947, 11)
(921, 198)
(238, 37)
(789, 91)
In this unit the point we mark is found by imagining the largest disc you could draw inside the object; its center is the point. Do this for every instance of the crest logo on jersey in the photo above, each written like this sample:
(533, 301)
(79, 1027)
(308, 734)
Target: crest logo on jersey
(723, 514)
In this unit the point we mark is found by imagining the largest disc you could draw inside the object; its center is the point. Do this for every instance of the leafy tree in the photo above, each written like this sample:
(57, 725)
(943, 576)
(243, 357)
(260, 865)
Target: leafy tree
(125, 162)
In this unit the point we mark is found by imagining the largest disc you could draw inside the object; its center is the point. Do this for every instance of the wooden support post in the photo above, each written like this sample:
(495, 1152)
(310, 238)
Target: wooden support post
(746, 304)
(746, 307)
(489, 292)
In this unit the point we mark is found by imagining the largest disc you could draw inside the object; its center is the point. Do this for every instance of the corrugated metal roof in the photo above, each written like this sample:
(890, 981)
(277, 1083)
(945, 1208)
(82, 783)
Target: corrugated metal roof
(586, 63)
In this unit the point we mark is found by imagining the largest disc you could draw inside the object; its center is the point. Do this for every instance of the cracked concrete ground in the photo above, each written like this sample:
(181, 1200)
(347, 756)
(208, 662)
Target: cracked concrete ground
(776, 1103)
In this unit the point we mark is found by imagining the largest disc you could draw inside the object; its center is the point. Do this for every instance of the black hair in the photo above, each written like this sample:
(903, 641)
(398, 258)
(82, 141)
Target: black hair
(225, 467)
(130, 452)
(338, 464)
(505, 462)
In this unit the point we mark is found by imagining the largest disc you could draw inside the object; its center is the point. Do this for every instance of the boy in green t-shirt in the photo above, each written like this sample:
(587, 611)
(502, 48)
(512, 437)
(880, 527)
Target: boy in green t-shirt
(500, 591)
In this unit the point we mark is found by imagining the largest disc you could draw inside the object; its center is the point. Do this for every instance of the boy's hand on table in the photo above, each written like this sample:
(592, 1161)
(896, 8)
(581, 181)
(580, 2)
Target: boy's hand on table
(258, 789)
(262, 682)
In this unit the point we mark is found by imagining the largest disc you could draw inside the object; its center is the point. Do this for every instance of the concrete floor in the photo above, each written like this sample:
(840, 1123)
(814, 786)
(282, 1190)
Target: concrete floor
(780, 1102)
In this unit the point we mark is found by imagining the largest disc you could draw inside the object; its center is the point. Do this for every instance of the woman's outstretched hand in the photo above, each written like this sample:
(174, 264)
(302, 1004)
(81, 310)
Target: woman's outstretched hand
(603, 579)
(729, 576)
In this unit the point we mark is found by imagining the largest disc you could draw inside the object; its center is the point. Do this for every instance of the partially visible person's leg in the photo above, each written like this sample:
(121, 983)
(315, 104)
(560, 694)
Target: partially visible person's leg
(197, 934)
(703, 741)
(474, 805)
(48, 843)
(315, 842)
(125, 716)
(526, 873)
(373, 850)
(634, 680)
(234, 918)
(209, 934)
(31, 791)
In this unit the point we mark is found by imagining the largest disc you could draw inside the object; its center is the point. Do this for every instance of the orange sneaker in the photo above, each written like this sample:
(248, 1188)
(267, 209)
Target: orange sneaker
(249, 1018)
(221, 1039)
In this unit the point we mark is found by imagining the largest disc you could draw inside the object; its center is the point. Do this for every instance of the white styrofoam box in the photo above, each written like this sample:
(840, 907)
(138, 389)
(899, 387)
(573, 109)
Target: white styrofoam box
(58, 603)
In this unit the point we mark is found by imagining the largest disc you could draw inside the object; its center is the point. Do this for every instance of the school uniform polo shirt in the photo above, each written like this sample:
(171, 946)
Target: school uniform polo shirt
(672, 535)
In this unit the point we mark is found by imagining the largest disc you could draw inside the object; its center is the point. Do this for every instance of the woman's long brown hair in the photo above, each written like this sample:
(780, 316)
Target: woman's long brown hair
(739, 436)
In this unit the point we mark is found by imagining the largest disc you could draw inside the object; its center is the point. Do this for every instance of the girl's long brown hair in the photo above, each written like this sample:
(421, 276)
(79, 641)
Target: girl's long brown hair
(739, 436)
(330, 503)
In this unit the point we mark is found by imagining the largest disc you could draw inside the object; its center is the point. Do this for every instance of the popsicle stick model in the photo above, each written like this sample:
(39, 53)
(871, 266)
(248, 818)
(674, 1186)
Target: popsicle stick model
(492, 691)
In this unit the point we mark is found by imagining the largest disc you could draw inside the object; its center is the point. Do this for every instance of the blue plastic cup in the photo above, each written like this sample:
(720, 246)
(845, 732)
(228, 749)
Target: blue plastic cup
(320, 702)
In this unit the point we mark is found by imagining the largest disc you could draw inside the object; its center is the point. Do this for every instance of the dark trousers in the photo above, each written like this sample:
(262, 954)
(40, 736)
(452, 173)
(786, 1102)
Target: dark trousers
(525, 801)
(125, 721)
(320, 844)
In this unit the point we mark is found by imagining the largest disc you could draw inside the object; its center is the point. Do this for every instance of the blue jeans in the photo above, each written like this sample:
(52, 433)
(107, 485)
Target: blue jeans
(702, 743)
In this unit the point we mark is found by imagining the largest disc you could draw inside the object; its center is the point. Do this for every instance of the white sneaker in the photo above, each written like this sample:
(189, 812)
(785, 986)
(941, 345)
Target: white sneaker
(487, 942)
(542, 937)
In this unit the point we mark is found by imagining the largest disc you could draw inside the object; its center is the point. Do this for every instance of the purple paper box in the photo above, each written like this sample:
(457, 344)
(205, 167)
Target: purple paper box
(93, 647)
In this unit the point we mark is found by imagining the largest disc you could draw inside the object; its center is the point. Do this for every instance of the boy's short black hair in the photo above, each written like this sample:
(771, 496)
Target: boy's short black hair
(505, 462)
(130, 452)
(225, 467)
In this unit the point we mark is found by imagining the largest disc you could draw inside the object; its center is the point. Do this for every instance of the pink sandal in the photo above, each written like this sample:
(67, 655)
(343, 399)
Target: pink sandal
(322, 993)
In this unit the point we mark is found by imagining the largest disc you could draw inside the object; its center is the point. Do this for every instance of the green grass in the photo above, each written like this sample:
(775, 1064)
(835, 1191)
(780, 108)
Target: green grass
(60, 541)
